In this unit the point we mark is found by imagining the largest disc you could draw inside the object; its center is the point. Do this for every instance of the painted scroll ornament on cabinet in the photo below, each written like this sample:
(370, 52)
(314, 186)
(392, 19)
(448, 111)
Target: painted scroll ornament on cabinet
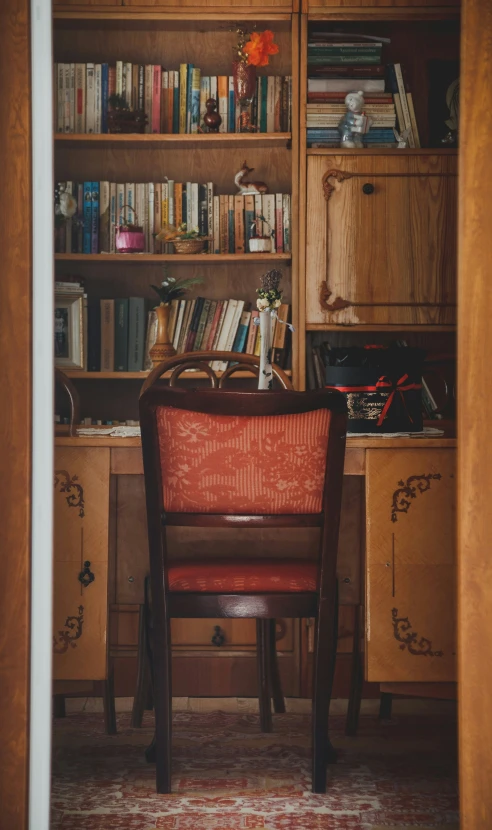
(73, 631)
(408, 490)
(418, 646)
(70, 484)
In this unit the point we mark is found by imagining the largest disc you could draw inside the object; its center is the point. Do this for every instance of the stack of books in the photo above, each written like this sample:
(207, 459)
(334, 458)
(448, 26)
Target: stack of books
(172, 100)
(336, 68)
(229, 221)
(121, 332)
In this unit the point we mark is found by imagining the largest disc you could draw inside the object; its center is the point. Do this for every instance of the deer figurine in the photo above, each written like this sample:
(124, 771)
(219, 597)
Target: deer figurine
(248, 187)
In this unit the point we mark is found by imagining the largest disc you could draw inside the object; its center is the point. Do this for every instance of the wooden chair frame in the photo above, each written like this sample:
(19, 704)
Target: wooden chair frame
(167, 605)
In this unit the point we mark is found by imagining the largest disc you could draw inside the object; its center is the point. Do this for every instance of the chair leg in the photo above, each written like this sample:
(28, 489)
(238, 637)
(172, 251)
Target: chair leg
(161, 649)
(356, 680)
(141, 698)
(324, 670)
(276, 686)
(264, 665)
(59, 706)
(385, 705)
(108, 703)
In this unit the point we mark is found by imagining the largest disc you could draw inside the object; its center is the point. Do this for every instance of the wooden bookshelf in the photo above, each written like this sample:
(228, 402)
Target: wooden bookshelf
(154, 259)
(122, 140)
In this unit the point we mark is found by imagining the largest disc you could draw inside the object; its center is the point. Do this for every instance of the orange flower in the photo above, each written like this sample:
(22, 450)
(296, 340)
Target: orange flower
(259, 47)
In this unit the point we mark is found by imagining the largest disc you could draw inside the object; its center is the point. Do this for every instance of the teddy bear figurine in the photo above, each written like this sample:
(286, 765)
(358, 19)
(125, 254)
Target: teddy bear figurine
(354, 123)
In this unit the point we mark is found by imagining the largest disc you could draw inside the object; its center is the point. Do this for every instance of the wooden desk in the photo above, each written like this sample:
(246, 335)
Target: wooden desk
(396, 546)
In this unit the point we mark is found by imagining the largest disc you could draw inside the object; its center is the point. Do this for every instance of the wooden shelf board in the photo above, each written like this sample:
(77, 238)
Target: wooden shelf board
(380, 151)
(115, 140)
(362, 328)
(138, 18)
(175, 258)
(187, 375)
(410, 13)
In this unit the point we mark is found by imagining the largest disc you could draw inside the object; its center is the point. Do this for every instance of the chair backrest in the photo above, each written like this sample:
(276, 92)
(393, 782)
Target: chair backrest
(73, 396)
(200, 360)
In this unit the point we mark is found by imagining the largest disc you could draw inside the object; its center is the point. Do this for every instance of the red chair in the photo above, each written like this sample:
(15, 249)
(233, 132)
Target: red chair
(243, 459)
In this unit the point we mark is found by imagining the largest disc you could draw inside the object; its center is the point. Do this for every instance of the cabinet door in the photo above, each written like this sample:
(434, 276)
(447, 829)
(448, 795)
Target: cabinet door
(80, 612)
(314, 6)
(204, 6)
(99, 4)
(381, 239)
(411, 565)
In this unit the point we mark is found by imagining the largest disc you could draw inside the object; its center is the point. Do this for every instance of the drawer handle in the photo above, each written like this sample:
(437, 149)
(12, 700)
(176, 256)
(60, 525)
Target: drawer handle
(218, 638)
(86, 576)
(368, 189)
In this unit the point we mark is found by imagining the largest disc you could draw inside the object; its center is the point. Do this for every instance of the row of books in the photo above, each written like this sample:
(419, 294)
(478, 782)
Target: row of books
(336, 68)
(229, 221)
(174, 101)
(121, 331)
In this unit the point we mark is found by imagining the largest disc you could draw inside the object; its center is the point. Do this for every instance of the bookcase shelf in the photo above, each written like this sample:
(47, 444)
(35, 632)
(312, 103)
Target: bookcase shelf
(202, 140)
(187, 375)
(174, 258)
(381, 151)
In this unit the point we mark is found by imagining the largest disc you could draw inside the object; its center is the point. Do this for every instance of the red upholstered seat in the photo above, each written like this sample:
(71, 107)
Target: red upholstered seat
(243, 576)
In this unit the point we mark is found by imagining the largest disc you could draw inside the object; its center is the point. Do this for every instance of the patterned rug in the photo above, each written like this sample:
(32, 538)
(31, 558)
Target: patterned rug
(228, 776)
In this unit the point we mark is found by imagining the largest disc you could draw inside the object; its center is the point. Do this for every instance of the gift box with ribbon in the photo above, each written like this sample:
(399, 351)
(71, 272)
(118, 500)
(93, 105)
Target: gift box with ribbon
(383, 387)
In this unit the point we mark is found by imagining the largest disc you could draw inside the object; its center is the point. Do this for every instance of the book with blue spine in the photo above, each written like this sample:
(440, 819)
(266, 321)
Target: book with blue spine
(231, 111)
(195, 100)
(242, 332)
(189, 93)
(104, 97)
(95, 218)
(87, 247)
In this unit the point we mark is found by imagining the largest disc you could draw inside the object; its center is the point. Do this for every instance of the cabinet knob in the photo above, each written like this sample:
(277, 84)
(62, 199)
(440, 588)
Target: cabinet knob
(368, 189)
(86, 576)
(218, 638)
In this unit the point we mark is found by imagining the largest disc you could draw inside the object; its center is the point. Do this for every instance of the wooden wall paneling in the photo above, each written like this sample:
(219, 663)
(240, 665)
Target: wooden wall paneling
(81, 534)
(15, 416)
(410, 565)
(475, 447)
(373, 258)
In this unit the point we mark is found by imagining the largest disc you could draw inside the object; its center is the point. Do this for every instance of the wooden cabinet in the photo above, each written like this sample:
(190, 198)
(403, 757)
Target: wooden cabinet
(411, 565)
(320, 6)
(81, 524)
(381, 239)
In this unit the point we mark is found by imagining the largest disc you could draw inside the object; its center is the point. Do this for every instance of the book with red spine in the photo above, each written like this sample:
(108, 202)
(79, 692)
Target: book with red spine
(156, 99)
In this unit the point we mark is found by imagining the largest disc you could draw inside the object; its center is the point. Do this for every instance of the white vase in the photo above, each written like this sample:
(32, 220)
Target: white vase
(265, 380)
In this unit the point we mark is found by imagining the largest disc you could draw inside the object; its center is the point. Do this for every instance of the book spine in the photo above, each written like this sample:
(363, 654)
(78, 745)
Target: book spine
(68, 223)
(80, 217)
(104, 217)
(149, 77)
(231, 246)
(192, 334)
(112, 217)
(232, 333)
(130, 202)
(127, 69)
(178, 204)
(202, 209)
(94, 336)
(120, 202)
(208, 345)
(195, 100)
(216, 224)
(158, 215)
(60, 111)
(223, 221)
(146, 215)
(264, 104)
(165, 102)
(183, 83)
(141, 87)
(268, 202)
(413, 120)
(90, 100)
(121, 335)
(220, 322)
(242, 332)
(189, 82)
(107, 335)
(151, 218)
(223, 93)
(135, 86)
(95, 218)
(136, 333)
(258, 212)
(104, 97)
(66, 98)
(404, 103)
(252, 332)
(156, 98)
(185, 328)
(97, 97)
(279, 223)
(270, 126)
(231, 108)
(179, 323)
(170, 101)
(208, 324)
(239, 223)
(119, 78)
(176, 104)
(277, 103)
(72, 99)
(87, 217)
(286, 222)
(210, 216)
(111, 83)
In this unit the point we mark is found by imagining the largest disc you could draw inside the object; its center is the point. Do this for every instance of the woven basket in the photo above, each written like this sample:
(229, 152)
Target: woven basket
(189, 246)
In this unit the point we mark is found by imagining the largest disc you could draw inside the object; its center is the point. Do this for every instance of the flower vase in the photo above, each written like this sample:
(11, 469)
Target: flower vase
(244, 79)
(265, 380)
(162, 348)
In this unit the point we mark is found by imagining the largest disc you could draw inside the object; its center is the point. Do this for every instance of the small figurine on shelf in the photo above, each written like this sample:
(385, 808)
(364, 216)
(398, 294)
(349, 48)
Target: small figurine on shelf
(248, 187)
(354, 123)
(261, 242)
(453, 104)
(212, 119)
(402, 138)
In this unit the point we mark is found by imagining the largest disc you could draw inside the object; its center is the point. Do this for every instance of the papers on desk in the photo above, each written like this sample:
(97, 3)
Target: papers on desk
(427, 432)
(113, 432)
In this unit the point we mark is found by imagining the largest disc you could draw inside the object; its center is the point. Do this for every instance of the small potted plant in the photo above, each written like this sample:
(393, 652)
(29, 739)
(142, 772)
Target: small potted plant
(261, 243)
(121, 119)
(185, 241)
(169, 289)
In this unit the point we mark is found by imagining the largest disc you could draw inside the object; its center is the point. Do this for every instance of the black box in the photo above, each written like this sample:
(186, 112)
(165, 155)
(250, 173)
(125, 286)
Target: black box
(383, 387)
